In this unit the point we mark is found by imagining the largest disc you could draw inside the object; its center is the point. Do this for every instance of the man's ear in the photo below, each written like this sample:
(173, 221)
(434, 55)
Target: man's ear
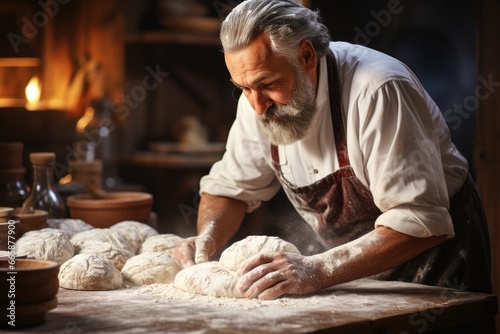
(307, 55)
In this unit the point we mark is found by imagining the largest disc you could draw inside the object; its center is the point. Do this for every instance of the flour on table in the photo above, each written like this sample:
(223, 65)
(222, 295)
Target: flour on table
(160, 243)
(209, 279)
(103, 235)
(233, 256)
(46, 244)
(89, 272)
(117, 256)
(150, 268)
(135, 232)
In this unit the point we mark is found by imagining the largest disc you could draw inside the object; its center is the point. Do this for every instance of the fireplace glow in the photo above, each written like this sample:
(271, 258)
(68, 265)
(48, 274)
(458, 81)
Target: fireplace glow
(33, 91)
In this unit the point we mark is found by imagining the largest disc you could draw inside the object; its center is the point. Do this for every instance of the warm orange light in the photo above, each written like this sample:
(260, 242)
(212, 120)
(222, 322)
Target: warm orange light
(33, 90)
(85, 119)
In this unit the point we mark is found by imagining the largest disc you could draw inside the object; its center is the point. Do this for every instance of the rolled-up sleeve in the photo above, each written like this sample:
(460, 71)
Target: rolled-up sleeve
(402, 161)
(243, 173)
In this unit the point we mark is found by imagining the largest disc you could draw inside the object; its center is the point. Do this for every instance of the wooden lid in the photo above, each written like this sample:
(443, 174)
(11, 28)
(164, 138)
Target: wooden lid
(12, 172)
(42, 157)
(11, 146)
(5, 214)
(11, 155)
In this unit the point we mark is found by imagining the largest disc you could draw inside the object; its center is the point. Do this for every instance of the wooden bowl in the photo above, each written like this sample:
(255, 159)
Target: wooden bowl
(9, 232)
(26, 315)
(35, 281)
(10, 229)
(28, 290)
(31, 221)
(5, 214)
(111, 208)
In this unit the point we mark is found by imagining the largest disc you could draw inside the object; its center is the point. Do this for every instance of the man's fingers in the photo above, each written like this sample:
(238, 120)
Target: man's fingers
(201, 253)
(183, 253)
(252, 263)
(204, 247)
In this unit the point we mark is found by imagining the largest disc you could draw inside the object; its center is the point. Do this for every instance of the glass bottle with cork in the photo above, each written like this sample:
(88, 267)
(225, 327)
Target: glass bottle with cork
(44, 195)
(13, 188)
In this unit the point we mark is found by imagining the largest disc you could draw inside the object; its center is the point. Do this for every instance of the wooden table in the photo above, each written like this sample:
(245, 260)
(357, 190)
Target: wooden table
(363, 306)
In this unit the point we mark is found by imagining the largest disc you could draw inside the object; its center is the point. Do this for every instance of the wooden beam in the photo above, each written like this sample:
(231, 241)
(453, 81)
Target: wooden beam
(487, 152)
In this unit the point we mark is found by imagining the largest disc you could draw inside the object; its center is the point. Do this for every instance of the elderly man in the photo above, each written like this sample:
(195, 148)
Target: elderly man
(360, 149)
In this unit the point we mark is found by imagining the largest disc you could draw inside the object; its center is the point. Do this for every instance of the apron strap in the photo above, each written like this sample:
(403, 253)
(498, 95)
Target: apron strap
(336, 110)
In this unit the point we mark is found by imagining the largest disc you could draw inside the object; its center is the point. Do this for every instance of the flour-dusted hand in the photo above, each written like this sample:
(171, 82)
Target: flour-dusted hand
(194, 250)
(272, 276)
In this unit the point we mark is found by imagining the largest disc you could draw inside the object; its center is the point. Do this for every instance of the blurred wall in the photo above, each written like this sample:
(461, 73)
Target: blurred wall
(435, 38)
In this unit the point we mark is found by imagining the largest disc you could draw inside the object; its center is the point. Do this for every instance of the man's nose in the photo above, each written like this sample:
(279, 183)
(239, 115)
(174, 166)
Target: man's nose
(260, 102)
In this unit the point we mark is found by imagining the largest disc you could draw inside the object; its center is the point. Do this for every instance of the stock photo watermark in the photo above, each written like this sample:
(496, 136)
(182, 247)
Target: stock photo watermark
(153, 78)
(189, 210)
(455, 115)
(31, 27)
(11, 274)
(222, 8)
(420, 321)
(380, 20)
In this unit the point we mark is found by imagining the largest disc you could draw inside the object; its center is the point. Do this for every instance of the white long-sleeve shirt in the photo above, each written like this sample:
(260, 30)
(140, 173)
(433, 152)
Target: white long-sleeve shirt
(398, 144)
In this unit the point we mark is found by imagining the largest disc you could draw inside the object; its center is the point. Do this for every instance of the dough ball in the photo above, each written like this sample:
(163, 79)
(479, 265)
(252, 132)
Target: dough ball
(46, 244)
(115, 255)
(134, 232)
(210, 279)
(69, 226)
(102, 235)
(160, 243)
(89, 272)
(150, 268)
(233, 256)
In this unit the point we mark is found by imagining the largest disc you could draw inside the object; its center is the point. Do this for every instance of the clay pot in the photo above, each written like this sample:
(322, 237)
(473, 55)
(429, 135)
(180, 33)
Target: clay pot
(11, 155)
(31, 221)
(35, 285)
(111, 208)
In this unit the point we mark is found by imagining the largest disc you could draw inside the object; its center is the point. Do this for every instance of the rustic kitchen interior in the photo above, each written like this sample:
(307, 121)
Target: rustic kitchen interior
(154, 76)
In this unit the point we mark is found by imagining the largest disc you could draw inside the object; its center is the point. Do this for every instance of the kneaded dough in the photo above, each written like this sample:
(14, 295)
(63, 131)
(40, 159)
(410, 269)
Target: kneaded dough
(102, 235)
(117, 256)
(209, 279)
(150, 268)
(134, 232)
(160, 243)
(69, 226)
(233, 256)
(46, 244)
(89, 272)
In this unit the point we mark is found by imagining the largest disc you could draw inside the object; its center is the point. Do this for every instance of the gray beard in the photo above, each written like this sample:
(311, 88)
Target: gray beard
(294, 119)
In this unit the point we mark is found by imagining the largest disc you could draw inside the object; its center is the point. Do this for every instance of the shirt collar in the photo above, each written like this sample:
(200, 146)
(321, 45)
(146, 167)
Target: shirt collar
(322, 96)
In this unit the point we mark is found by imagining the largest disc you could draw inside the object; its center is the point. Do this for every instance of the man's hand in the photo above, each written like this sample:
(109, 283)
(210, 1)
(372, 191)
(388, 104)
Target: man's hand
(269, 277)
(194, 250)
(218, 220)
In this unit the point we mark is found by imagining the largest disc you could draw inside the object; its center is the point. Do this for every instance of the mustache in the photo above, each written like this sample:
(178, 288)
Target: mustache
(281, 112)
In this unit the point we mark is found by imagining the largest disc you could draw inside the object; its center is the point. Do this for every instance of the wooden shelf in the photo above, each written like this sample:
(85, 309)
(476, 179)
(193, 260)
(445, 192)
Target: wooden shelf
(169, 37)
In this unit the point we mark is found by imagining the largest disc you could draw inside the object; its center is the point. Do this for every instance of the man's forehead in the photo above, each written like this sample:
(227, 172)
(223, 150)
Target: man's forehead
(255, 62)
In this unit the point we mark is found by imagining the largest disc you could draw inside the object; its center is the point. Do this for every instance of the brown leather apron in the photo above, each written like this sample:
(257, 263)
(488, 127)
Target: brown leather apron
(340, 208)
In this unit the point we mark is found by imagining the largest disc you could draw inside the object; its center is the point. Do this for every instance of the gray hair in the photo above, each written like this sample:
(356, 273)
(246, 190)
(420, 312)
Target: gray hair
(285, 22)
